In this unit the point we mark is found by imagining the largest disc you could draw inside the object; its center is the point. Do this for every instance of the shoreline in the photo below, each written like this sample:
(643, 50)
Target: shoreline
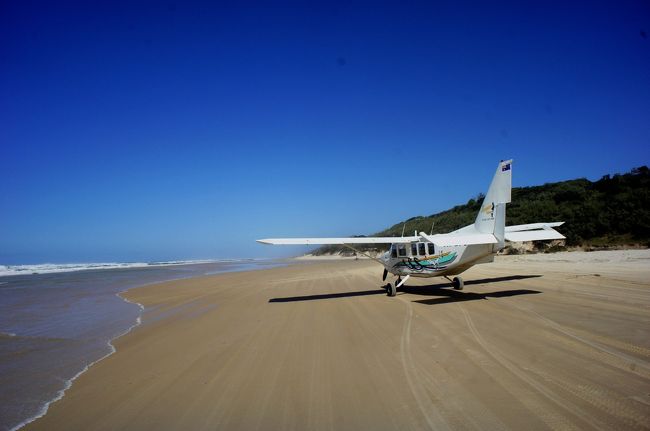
(68, 384)
(62, 268)
(111, 343)
(122, 295)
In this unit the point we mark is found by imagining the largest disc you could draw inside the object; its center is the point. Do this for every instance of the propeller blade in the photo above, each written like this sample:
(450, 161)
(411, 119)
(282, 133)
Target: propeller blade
(383, 278)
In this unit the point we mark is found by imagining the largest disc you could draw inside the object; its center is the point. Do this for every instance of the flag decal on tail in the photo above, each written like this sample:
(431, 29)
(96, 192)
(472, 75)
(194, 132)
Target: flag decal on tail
(505, 167)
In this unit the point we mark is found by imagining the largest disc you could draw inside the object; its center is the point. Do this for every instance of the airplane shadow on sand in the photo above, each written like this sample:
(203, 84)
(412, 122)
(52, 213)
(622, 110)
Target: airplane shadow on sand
(445, 295)
(327, 296)
(442, 292)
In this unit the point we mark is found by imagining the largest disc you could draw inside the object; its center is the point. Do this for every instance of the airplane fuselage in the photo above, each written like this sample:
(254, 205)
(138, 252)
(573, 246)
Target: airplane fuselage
(423, 260)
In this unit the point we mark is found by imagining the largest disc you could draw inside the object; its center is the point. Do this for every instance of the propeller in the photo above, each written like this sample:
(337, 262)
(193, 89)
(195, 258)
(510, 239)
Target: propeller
(383, 278)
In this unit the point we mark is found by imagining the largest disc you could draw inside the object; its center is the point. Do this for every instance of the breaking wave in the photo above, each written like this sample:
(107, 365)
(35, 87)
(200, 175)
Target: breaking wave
(46, 268)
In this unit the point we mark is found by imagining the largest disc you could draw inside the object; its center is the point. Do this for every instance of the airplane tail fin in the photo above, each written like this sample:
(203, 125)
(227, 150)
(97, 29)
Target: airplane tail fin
(491, 217)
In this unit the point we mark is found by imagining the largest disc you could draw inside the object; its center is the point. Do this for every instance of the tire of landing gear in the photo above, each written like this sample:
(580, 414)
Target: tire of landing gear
(391, 290)
(458, 283)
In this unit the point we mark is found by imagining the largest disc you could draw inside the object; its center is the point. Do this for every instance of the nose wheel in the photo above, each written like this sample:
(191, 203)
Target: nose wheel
(458, 283)
(391, 290)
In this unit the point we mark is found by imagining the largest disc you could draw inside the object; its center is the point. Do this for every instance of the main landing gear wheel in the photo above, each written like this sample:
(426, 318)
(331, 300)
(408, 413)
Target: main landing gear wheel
(391, 290)
(458, 284)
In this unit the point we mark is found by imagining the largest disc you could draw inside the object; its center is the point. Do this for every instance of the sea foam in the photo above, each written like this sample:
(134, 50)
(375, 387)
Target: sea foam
(68, 383)
(47, 268)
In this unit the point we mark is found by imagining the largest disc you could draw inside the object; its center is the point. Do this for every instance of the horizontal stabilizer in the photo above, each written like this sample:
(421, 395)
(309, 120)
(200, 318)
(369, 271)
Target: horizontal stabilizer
(340, 241)
(533, 226)
(534, 235)
(533, 232)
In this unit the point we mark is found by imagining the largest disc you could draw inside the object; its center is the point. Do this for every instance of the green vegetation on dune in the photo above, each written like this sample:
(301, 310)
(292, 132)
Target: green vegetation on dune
(614, 210)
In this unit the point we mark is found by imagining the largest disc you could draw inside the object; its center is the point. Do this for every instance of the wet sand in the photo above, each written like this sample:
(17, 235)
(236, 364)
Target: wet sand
(533, 342)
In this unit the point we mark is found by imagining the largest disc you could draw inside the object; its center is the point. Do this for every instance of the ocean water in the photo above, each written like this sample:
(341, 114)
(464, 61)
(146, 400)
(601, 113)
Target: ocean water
(56, 320)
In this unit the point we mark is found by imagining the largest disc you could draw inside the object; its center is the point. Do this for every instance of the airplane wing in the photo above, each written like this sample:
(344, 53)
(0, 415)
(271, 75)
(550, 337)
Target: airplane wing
(533, 232)
(342, 241)
(444, 240)
(523, 232)
(439, 240)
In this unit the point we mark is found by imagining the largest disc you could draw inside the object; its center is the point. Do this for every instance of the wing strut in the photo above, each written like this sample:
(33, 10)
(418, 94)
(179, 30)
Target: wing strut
(365, 254)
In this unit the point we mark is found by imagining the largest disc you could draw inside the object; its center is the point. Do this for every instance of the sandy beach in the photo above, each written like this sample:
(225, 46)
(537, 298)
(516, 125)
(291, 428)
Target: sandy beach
(559, 341)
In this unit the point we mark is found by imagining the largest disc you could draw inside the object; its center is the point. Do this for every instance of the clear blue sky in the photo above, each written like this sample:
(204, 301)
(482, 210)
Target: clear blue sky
(186, 130)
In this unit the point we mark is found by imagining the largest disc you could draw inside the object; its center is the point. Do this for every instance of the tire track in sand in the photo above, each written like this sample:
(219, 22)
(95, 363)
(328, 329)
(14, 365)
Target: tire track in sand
(433, 418)
(553, 420)
(604, 400)
(631, 364)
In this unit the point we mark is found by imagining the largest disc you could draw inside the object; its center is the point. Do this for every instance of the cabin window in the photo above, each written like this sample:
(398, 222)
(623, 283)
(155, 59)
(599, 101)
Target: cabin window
(393, 251)
(421, 249)
(414, 249)
(432, 248)
(401, 249)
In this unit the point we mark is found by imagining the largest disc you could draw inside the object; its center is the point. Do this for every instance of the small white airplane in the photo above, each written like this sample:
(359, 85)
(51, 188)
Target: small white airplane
(444, 255)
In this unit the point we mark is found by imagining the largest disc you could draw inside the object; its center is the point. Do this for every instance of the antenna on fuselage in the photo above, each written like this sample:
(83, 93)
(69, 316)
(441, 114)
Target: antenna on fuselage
(403, 227)
(432, 223)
